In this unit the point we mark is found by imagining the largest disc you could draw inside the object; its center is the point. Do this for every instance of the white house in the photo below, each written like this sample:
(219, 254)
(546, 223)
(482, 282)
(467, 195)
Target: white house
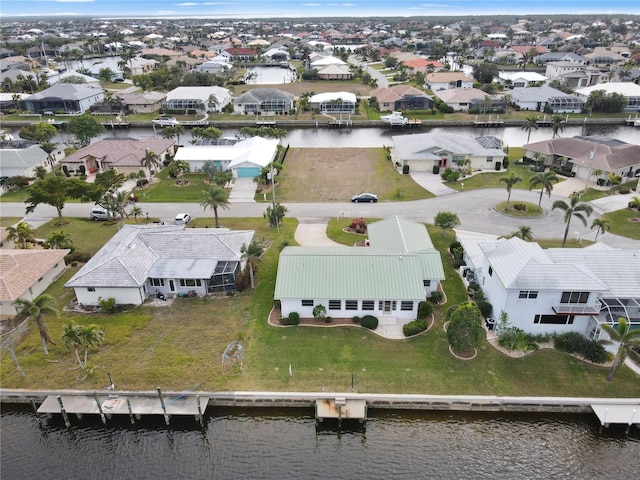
(64, 97)
(264, 101)
(573, 74)
(334, 102)
(423, 151)
(203, 99)
(557, 289)
(26, 274)
(387, 279)
(245, 159)
(446, 80)
(629, 90)
(142, 260)
(521, 79)
(538, 98)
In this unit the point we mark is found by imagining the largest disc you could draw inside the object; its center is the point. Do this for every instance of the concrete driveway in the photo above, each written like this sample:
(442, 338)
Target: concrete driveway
(243, 190)
(312, 232)
(431, 182)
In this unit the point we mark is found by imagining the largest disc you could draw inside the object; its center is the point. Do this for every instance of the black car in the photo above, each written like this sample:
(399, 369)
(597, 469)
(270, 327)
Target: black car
(364, 197)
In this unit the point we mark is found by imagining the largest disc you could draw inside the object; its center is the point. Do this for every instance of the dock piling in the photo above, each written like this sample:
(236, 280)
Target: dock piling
(200, 418)
(131, 416)
(633, 414)
(63, 411)
(164, 407)
(102, 416)
(35, 409)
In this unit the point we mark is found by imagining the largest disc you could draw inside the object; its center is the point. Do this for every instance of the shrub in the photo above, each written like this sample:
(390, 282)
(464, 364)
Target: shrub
(358, 225)
(369, 321)
(142, 182)
(624, 189)
(451, 310)
(436, 297)
(242, 280)
(294, 318)
(328, 319)
(319, 312)
(425, 309)
(436, 170)
(485, 308)
(405, 169)
(513, 338)
(81, 257)
(16, 183)
(459, 262)
(285, 321)
(107, 305)
(465, 328)
(450, 175)
(454, 248)
(356, 319)
(574, 342)
(521, 207)
(414, 328)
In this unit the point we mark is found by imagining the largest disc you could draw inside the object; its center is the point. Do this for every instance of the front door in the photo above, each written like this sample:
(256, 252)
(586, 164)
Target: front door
(172, 286)
(386, 307)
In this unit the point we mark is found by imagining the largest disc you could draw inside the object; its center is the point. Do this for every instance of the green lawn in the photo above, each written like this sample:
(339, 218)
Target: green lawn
(8, 221)
(621, 225)
(531, 209)
(166, 190)
(86, 235)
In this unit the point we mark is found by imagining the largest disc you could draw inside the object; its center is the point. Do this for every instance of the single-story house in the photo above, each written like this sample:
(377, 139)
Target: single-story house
(460, 98)
(22, 158)
(588, 154)
(559, 57)
(538, 98)
(556, 289)
(64, 97)
(334, 72)
(246, 158)
(27, 274)
(629, 90)
(142, 260)
(122, 154)
(423, 151)
(264, 101)
(199, 99)
(140, 65)
(323, 60)
(10, 102)
(387, 279)
(240, 54)
(445, 80)
(215, 66)
(145, 102)
(334, 102)
(521, 79)
(401, 97)
(276, 55)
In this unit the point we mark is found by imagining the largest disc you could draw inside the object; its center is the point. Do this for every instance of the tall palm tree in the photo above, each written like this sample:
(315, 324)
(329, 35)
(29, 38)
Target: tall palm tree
(252, 253)
(150, 161)
(215, 197)
(625, 337)
(35, 310)
(71, 339)
(510, 181)
(545, 181)
(530, 123)
(21, 234)
(602, 225)
(557, 124)
(135, 212)
(574, 208)
(173, 131)
(90, 336)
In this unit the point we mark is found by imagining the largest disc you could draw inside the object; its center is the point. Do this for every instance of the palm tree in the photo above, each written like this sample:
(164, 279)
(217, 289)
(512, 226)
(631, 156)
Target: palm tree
(574, 208)
(120, 202)
(524, 232)
(71, 339)
(59, 239)
(150, 161)
(21, 234)
(545, 181)
(634, 204)
(557, 124)
(613, 181)
(136, 212)
(531, 123)
(511, 180)
(215, 197)
(90, 336)
(625, 337)
(602, 225)
(173, 131)
(40, 172)
(35, 310)
(252, 254)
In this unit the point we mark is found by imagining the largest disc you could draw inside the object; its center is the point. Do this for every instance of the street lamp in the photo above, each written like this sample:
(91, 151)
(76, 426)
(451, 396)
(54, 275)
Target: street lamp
(592, 154)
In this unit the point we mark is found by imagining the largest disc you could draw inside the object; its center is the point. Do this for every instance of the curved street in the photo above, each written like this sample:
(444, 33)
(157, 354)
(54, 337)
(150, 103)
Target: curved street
(474, 208)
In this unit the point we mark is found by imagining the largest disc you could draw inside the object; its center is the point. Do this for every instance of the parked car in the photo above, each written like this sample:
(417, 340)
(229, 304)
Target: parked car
(182, 219)
(99, 213)
(364, 197)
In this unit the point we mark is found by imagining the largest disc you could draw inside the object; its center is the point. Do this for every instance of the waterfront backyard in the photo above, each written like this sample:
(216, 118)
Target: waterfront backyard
(180, 346)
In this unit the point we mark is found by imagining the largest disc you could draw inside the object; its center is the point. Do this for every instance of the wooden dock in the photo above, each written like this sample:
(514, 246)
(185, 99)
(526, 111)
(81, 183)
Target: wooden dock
(115, 125)
(135, 406)
(341, 408)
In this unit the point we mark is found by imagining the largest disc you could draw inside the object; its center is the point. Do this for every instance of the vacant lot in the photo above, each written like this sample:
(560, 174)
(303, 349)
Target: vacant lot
(334, 175)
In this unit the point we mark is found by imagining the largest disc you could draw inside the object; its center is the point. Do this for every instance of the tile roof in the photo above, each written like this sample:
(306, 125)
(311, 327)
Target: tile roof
(121, 152)
(138, 252)
(19, 269)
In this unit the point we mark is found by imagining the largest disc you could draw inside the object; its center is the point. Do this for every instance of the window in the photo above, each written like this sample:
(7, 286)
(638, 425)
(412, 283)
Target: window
(307, 303)
(489, 159)
(351, 304)
(368, 304)
(406, 306)
(554, 319)
(335, 304)
(574, 297)
(426, 283)
(528, 294)
(190, 282)
(91, 289)
(490, 271)
(156, 282)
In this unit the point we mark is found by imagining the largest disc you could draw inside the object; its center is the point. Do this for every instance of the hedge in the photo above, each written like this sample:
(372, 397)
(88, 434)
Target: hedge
(369, 321)
(574, 342)
(414, 328)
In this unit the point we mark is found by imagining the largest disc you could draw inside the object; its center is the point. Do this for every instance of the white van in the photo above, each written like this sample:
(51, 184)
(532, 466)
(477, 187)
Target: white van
(99, 213)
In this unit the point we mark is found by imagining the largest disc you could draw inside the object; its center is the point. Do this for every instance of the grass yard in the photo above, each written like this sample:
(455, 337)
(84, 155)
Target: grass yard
(621, 224)
(334, 175)
(166, 190)
(531, 209)
(86, 235)
(8, 221)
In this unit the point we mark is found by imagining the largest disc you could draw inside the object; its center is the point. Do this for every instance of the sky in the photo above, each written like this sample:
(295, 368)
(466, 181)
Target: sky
(308, 8)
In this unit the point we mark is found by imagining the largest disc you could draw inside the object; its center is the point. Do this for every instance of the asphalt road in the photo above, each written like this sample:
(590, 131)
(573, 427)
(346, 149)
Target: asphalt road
(474, 208)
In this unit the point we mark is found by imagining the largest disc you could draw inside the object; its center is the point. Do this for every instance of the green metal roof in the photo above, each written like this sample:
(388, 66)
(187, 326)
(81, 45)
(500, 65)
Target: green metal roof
(368, 273)
(399, 234)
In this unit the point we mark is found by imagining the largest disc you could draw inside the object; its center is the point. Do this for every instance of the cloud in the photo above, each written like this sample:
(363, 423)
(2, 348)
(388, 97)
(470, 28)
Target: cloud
(187, 4)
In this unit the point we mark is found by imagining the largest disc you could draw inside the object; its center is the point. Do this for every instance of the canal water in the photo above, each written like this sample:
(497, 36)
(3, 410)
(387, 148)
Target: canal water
(281, 444)
(323, 137)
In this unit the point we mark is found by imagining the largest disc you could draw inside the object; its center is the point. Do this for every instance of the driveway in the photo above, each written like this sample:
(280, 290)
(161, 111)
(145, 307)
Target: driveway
(243, 190)
(431, 182)
(312, 232)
